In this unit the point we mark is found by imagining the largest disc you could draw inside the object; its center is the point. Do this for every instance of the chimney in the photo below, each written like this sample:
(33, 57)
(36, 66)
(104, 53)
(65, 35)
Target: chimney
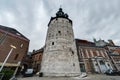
(111, 42)
(94, 39)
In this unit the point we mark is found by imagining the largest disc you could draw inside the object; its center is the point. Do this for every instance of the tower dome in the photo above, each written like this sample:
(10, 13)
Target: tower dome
(60, 13)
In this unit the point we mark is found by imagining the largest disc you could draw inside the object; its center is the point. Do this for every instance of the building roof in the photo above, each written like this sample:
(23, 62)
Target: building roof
(13, 31)
(117, 49)
(82, 42)
(115, 52)
(60, 13)
(37, 51)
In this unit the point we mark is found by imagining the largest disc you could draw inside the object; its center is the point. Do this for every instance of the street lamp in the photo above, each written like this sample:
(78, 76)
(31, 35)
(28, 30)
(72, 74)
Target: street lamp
(13, 77)
(12, 47)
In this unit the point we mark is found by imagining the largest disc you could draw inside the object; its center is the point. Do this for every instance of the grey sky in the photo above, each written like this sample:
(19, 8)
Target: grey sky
(91, 18)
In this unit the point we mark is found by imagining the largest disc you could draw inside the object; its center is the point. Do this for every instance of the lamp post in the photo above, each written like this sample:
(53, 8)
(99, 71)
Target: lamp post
(12, 47)
(13, 77)
(17, 68)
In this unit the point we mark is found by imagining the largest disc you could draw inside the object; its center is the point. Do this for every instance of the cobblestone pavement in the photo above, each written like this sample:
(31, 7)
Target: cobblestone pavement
(90, 77)
(104, 77)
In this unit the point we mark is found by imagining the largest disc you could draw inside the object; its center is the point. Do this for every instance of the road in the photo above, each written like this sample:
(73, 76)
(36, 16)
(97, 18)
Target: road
(89, 77)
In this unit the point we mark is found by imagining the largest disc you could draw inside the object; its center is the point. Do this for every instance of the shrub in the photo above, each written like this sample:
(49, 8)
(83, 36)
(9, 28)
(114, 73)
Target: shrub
(7, 73)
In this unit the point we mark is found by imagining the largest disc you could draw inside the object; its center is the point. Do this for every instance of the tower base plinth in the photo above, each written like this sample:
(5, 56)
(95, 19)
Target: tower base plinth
(61, 74)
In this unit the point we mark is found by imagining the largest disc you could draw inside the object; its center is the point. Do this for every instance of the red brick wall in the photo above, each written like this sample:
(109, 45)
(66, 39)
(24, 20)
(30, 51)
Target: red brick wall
(5, 48)
(94, 51)
(85, 55)
(37, 58)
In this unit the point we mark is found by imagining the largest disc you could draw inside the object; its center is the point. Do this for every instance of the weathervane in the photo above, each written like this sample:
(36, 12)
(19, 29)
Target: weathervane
(60, 4)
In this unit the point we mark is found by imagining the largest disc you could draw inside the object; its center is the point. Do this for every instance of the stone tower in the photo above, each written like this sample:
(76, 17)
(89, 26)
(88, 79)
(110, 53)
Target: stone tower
(60, 56)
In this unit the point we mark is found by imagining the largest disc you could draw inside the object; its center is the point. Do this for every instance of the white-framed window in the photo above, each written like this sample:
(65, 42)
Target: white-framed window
(21, 45)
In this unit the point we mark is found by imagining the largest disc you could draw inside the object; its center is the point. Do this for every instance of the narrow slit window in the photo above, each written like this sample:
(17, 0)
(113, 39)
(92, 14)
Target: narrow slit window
(59, 32)
(16, 56)
(72, 52)
(52, 43)
(21, 45)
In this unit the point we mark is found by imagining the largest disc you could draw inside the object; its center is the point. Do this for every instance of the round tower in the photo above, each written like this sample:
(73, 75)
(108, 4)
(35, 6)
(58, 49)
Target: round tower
(60, 56)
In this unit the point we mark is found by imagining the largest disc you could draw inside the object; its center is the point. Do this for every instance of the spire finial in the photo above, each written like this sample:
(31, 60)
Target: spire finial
(60, 6)
(60, 3)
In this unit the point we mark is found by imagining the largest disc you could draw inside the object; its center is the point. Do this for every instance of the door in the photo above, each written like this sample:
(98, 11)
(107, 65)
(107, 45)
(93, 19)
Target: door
(102, 66)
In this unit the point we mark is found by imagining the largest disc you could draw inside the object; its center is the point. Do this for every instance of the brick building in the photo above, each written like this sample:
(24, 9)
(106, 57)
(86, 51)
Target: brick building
(37, 58)
(114, 54)
(26, 63)
(10, 36)
(92, 58)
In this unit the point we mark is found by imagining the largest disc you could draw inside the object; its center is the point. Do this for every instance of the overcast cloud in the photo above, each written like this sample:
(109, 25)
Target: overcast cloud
(91, 18)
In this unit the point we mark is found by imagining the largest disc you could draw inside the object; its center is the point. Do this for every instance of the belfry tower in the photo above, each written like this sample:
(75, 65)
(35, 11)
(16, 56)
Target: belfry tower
(60, 56)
